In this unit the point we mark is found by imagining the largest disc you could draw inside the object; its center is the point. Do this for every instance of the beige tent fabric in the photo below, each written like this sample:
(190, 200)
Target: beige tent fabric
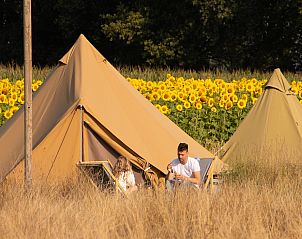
(50, 103)
(53, 157)
(122, 117)
(278, 82)
(126, 113)
(272, 128)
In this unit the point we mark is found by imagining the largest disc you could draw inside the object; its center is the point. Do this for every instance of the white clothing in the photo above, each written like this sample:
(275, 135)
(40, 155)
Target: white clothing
(187, 169)
(126, 180)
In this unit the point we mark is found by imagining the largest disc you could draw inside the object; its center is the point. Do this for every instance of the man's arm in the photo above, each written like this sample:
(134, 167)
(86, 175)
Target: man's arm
(194, 179)
(170, 174)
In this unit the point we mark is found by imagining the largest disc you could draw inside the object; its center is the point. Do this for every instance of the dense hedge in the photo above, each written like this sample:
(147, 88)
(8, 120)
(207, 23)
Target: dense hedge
(195, 34)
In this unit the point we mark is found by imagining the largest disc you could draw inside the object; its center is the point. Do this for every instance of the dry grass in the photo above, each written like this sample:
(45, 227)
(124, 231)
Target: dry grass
(256, 201)
(15, 72)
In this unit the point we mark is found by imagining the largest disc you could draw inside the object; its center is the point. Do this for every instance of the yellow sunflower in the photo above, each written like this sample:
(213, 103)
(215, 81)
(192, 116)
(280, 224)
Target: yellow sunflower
(142, 84)
(21, 98)
(192, 98)
(150, 85)
(14, 96)
(254, 81)
(203, 98)
(222, 85)
(187, 105)
(225, 97)
(210, 102)
(250, 87)
(241, 86)
(187, 89)
(5, 91)
(2, 98)
(241, 104)
(173, 96)
(198, 105)
(182, 96)
(228, 105)
(230, 89)
(254, 99)
(164, 109)
(166, 96)
(244, 97)
(39, 82)
(179, 107)
(218, 81)
(11, 102)
(162, 87)
(35, 86)
(213, 109)
(155, 96)
(148, 96)
(202, 91)
(211, 92)
(14, 109)
(221, 103)
(8, 114)
(234, 98)
(19, 83)
(194, 85)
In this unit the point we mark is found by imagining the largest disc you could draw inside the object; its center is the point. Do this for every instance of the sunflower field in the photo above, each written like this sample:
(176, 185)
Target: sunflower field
(207, 109)
(12, 97)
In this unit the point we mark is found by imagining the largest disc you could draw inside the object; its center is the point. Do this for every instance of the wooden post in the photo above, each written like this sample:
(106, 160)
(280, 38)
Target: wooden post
(27, 34)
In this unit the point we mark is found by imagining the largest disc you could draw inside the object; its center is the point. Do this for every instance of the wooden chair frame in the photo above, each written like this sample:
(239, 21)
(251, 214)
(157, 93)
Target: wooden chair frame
(104, 164)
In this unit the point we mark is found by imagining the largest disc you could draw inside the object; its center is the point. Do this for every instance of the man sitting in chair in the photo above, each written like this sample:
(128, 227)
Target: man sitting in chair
(183, 171)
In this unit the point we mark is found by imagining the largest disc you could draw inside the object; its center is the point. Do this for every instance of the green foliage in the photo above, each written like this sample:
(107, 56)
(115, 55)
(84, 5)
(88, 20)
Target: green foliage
(192, 34)
(161, 53)
(219, 9)
(126, 26)
(204, 125)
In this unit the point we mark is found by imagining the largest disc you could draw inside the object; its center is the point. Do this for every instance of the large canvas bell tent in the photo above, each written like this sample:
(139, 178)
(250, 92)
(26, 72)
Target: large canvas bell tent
(87, 111)
(273, 127)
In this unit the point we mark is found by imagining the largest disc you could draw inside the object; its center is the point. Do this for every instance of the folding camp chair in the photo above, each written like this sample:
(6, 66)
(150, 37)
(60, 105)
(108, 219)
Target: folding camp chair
(100, 172)
(206, 172)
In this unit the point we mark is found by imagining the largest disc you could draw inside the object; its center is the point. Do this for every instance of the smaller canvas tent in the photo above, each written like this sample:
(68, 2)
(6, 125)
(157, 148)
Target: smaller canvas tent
(87, 111)
(273, 127)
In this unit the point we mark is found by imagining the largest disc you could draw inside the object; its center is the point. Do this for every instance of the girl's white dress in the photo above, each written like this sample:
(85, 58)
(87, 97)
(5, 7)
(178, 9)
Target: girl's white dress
(126, 180)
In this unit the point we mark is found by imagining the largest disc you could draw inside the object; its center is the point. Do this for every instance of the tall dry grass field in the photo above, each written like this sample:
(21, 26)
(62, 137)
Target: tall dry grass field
(257, 200)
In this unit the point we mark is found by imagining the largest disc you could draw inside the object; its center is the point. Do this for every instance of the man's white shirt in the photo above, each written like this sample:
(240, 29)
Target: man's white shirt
(187, 169)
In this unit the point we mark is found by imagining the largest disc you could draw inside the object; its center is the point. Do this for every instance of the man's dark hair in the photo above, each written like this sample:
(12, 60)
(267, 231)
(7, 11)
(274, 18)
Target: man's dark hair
(182, 146)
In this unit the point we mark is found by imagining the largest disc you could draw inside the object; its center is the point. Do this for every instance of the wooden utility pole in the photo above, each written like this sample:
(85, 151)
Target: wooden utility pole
(27, 91)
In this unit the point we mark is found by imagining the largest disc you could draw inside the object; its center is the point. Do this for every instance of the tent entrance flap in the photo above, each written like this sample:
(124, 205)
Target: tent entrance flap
(97, 149)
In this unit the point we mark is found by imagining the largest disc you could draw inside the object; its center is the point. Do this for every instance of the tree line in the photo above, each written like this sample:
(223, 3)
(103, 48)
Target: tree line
(190, 34)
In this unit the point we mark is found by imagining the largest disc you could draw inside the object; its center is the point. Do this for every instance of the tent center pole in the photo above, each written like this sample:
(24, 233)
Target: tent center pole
(81, 133)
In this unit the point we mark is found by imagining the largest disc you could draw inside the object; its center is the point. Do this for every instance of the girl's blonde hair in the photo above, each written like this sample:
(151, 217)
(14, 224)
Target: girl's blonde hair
(122, 165)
